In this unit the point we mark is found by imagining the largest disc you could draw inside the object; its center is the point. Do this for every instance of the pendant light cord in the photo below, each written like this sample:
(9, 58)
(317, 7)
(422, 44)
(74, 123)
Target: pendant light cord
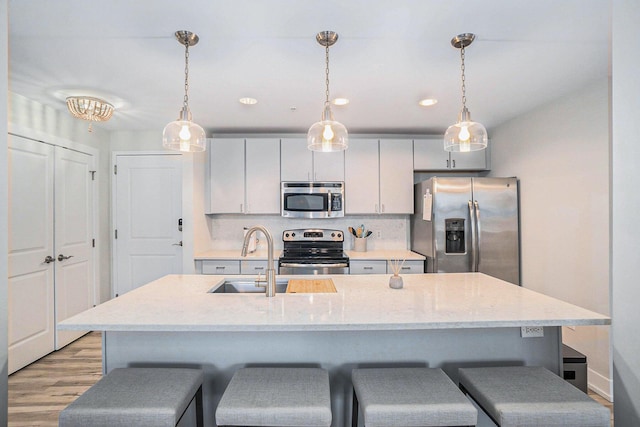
(327, 73)
(186, 74)
(464, 87)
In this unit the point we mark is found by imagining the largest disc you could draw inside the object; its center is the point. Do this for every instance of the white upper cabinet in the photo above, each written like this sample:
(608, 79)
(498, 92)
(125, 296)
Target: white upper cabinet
(379, 176)
(396, 176)
(298, 163)
(362, 177)
(244, 176)
(226, 175)
(262, 166)
(429, 155)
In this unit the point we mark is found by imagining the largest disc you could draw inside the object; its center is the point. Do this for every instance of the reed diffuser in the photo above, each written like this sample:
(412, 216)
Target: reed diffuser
(395, 281)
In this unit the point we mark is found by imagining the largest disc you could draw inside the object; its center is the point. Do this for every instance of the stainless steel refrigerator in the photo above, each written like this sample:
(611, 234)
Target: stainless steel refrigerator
(468, 224)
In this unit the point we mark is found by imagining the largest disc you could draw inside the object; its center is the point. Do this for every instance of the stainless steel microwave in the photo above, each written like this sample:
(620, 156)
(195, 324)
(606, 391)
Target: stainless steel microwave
(312, 199)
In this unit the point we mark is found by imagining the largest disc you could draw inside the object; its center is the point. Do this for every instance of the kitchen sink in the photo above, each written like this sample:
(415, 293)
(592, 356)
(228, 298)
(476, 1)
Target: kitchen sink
(245, 286)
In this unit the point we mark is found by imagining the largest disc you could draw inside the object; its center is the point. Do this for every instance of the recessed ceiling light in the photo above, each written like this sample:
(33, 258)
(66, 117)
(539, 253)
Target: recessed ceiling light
(427, 102)
(340, 101)
(248, 101)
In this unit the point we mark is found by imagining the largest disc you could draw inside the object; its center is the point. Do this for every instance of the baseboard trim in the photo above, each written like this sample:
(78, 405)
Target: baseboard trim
(600, 384)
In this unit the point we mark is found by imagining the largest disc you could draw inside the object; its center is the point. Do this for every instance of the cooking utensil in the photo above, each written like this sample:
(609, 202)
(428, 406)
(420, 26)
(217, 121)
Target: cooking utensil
(352, 231)
(368, 233)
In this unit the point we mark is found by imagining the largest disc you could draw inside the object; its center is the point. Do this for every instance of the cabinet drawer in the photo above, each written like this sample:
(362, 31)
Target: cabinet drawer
(412, 267)
(220, 267)
(368, 267)
(253, 267)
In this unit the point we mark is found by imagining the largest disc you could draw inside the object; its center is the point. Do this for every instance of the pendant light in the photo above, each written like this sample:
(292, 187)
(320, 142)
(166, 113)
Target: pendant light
(183, 134)
(327, 134)
(466, 135)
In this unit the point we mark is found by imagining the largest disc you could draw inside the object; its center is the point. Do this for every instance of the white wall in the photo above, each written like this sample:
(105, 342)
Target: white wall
(560, 153)
(625, 205)
(4, 66)
(34, 120)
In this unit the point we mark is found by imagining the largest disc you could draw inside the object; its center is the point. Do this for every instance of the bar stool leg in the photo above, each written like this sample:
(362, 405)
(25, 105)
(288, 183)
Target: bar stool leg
(354, 410)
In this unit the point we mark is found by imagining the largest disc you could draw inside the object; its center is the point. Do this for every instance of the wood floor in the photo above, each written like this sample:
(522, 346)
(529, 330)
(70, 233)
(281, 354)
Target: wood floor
(40, 391)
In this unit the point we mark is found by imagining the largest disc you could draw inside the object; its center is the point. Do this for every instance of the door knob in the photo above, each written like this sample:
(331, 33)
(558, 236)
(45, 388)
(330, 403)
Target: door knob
(177, 244)
(49, 259)
(62, 257)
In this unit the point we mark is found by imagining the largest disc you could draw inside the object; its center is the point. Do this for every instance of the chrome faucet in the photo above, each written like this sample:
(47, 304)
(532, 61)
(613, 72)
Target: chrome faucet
(270, 282)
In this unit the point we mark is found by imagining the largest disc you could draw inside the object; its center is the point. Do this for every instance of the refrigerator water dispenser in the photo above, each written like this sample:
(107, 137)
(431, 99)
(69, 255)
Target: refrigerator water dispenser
(454, 231)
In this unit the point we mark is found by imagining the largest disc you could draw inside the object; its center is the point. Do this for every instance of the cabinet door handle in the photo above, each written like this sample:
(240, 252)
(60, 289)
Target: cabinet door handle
(406, 268)
(49, 259)
(453, 163)
(62, 257)
(382, 208)
(241, 206)
(447, 163)
(367, 268)
(220, 267)
(377, 208)
(258, 268)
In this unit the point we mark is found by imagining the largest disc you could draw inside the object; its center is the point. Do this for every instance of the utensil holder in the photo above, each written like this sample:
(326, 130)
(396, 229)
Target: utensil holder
(360, 244)
(395, 282)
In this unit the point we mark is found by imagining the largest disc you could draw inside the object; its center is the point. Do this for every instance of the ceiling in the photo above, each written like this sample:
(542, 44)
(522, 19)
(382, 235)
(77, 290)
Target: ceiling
(390, 54)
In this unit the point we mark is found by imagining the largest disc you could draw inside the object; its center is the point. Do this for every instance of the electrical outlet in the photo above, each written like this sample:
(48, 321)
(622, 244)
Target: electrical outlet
(531, 331)
(379, 234)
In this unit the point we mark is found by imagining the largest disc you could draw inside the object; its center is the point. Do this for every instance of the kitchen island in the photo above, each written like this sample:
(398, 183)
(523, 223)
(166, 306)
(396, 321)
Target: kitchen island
(436, 320)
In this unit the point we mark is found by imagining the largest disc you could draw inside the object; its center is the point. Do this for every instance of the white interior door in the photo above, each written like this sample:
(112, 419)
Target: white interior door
(31, 319)
(74, 267)
(148, 206)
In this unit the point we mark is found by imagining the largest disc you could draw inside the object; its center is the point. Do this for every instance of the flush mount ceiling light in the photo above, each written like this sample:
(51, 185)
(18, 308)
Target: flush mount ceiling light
(183, 134)
(427, 102)
(89, 108)
(327, 134)
(248, 101)
(466, 135)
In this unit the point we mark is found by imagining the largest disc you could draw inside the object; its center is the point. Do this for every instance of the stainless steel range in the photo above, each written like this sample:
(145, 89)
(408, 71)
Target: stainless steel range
(313, 251)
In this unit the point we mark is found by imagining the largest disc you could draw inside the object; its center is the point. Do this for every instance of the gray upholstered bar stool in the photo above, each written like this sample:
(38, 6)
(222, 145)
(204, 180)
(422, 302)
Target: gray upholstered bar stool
(531, 396)
(409, 397)
(276, 397)
(128, 397)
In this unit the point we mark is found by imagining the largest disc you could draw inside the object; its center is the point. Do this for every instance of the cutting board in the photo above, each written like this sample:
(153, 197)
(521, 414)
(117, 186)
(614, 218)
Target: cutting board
(306, 286)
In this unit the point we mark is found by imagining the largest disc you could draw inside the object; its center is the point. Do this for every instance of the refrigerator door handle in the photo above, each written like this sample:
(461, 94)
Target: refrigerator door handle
(477, 209)
(472, 227)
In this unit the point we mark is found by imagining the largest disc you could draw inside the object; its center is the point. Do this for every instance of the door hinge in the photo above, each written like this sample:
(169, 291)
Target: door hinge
(115, 169)
(93, 243)
(116, 234)
(93, 175)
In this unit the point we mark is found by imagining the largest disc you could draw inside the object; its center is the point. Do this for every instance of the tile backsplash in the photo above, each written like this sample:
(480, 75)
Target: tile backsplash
(390, 232)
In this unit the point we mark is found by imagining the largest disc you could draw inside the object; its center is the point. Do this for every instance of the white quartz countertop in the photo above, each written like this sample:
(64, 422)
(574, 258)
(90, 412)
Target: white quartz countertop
(362, 302)
(262, 255)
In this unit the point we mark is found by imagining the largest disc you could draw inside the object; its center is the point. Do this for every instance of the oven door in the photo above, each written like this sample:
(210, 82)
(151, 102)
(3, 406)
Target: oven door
(290, 268)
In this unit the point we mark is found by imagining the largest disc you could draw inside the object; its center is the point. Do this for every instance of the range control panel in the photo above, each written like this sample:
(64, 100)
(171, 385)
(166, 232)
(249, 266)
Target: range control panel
(312, 235)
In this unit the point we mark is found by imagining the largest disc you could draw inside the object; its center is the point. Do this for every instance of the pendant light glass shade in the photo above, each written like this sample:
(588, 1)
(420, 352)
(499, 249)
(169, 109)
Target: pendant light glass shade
(327, 135)
(183, 134)
(466, 135)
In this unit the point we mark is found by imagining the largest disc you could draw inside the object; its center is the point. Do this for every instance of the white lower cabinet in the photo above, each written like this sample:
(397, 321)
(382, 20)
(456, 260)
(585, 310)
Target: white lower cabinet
(368, 267)
(253, 267)
(411, 267)
(214, 266)
(380, 267)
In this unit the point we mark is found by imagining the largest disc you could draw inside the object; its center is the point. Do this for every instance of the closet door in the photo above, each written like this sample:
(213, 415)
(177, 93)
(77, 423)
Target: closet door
(74, 271)
(31, 277)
